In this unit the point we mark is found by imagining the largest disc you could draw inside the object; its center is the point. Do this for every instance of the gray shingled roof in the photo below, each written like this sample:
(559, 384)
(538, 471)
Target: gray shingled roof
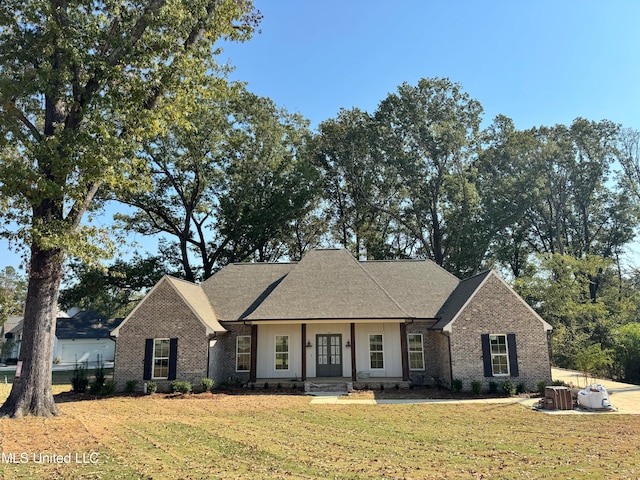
(237, 289)
(420, 286)
(458, 298)
(85, 324)
(328, 284)
(197, 299)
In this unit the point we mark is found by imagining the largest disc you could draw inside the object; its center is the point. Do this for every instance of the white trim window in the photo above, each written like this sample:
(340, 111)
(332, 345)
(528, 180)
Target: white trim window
(416, 351)
(376, 351)
(499, 355)
(282, 352)
(243, 353)
(160, 363)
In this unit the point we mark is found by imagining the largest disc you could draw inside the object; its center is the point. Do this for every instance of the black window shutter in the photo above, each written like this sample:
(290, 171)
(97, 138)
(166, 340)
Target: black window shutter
(173, 358)
(148, 358)
(486, 355)
(513, 355)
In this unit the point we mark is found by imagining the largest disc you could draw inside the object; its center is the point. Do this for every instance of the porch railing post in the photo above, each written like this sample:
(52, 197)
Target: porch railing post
(354, 374)
(405, 352)
(303, 350)
(254, 353)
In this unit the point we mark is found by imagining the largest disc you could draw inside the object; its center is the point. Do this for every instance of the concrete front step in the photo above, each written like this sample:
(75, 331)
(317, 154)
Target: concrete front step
(333, 387)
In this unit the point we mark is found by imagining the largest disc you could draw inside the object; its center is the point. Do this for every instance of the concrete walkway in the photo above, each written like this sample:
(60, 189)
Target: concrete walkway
(624, 397)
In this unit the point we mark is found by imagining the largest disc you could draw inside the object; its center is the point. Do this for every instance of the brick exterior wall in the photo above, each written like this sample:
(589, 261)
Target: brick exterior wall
(496, 309)
(163, 314)
(436, 355)
(225, 355)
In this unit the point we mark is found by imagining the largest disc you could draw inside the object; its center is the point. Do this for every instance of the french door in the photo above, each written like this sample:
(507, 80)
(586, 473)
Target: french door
(329, 355)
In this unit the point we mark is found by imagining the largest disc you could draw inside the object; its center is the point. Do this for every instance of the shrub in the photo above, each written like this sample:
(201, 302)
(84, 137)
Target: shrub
(152, 387)
(100, 373)
(207, 384)
(130, 386)
(79, 379)
(541, 385)
(95, 388)
(108, 388)
(521, 388)
(493, 387)
(457, 385)
(508, 388)
(476, 387)
(178, 386)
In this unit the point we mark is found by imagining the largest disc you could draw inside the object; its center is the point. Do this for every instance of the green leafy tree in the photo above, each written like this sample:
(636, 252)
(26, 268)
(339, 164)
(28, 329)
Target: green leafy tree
(112, 291)
(627, 351)
(428, 136)
(81, 84)
(628, 154)
(509, 184)
(358, 194)
(561, 289)
(228, 185)
(13, 292)
(553, 190)
(593, 360)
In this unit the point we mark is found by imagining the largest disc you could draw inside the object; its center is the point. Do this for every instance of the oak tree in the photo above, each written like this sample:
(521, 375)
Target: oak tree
(81, 84)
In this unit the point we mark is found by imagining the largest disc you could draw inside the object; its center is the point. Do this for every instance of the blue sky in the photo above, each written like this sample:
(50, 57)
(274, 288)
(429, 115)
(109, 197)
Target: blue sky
(540, 63)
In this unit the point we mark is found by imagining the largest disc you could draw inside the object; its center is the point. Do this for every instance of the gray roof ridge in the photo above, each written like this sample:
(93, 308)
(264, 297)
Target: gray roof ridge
(182, 280)
(483, 272)
(398, 260)
(242, 264)
(284, 282)
(382, 288)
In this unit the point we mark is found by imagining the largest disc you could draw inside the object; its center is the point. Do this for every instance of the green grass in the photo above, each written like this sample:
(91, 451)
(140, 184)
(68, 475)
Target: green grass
(279, 436)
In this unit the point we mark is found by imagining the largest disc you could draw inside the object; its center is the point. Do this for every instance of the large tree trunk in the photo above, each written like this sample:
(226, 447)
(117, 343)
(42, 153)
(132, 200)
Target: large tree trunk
(31, 392)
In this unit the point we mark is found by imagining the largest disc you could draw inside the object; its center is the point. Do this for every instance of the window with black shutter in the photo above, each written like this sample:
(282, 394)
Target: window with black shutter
(499, 355)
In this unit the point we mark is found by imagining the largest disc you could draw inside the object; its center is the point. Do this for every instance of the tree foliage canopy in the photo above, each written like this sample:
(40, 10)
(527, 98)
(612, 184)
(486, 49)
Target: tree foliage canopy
(228, 185)
(82, 84)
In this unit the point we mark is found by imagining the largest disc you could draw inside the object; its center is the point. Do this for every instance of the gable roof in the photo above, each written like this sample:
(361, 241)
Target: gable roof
(328, 284)
(458, 298)
(465, 292)
(193, 297)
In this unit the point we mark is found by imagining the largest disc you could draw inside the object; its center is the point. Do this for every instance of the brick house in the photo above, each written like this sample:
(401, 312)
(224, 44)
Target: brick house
(332, 316)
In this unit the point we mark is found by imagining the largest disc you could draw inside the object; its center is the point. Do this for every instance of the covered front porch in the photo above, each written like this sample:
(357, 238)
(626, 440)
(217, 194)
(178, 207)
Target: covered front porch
(361, 353)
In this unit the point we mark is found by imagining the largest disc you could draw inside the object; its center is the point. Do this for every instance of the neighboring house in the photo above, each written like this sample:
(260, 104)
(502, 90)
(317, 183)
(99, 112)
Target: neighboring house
(11, 335)
(84, 337)
(330, 315)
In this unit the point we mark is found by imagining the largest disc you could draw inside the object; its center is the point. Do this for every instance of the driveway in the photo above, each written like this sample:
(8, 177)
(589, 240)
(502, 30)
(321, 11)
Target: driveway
(623, 396)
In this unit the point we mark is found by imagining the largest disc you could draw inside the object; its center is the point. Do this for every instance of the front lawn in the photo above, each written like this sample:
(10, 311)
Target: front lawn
(283, 436)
